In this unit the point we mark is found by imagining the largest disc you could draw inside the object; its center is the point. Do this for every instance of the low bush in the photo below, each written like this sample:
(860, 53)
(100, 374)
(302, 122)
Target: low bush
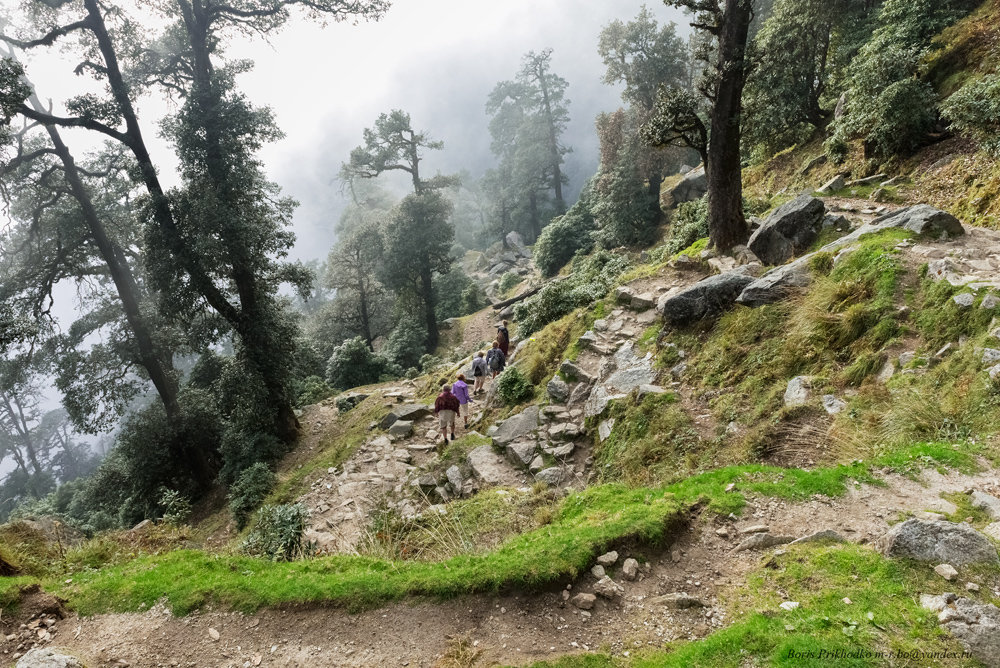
(513, 387)
(249, 491)
(313, 390)
(508, 281)
(353, 364)
(278, 533)
(974, 110)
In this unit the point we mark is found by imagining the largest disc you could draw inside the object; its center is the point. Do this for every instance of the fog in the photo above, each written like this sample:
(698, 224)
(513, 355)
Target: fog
(436, 59)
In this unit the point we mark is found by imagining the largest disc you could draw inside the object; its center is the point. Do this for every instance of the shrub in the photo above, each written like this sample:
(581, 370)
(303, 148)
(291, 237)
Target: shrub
(974, 110)
(249, 490)
(689, 224)
(513, 388)
(565, 236)
(278, 533)
(313, 389)
(473, 298)
(353, 364)
(406, 344)
(508, 281)
(176, 507)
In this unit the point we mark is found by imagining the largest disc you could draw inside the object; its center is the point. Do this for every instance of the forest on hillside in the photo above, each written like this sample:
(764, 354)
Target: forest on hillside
(194, 340)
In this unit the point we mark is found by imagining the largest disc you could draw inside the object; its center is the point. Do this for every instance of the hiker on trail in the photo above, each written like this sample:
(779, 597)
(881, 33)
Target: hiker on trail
(479, 372)
(461, 391)
(503, 338)
(495, 359)
(446, 407)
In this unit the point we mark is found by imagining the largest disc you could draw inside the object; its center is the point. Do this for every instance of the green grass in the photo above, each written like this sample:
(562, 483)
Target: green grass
(693, 250)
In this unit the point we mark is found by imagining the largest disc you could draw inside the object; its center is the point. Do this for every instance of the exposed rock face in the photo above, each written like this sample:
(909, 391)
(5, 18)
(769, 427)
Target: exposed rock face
(776, 284)
(628, 372)
(922, 219)
(939, 542)
(517, 426)
(710, 296)
(47, 658)
(691, 187)
(789, 230)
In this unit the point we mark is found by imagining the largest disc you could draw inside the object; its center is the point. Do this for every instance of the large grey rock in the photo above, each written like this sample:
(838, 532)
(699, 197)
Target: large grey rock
(515, 241)
(776, 284)
(987, 502)
(628, 371)
(401, 429)
(573, 372)
(521, 453)
(517, 427)
(412, 411)
(487, 465)
(455, 479)
(797, 391)
(834, 184)
(710, 296)
(558, 390)
(691, 187)
(47, 658)
(921, 219)
(789, 230)
(551, 476)
(937, 541)
(584, 601)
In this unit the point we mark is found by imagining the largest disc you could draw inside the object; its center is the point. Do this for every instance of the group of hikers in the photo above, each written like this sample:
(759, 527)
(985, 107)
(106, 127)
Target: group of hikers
(455, 398)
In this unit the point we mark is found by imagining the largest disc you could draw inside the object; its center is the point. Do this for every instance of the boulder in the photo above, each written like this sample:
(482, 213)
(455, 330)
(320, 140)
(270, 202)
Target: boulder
(977, 627)
(401, 429)
(832, 405)
(647, 389)
(521, 453)
(515, 241)
(937, 541)
(551, 476)
(797, 391)
(642, 302)
(608, 558)
(921, 219)
(487, 465)
(776, 284)
(834, 184)
(624, 294)
(964, 300)
(572, 372)
(789, 230)
(47, 658)
(584, 601)
(565, 431)
(455, 479)
(692, 186)
(517, 427)
(987, 502)
(608, 588)
(536, 465)
(558, 390)
(604, 429)
(630, 569)
(710, 296)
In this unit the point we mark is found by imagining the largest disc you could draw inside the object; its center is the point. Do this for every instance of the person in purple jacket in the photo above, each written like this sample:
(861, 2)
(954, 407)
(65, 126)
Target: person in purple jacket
(461, 391)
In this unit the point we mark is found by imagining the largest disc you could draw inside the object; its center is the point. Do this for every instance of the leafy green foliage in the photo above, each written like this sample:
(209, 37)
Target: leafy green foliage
(591, 279)
(974, 110)
(689, 223)
(249, 491)
(513, 388)
(312, 390)
(566, 236)
(353, 364)
(278, 533)
(405, 346)
(508, 281)
(473, 298)
(176, 507)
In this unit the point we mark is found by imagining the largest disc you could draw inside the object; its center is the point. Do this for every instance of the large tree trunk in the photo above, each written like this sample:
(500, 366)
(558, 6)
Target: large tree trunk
(727, 225)
(430, 317)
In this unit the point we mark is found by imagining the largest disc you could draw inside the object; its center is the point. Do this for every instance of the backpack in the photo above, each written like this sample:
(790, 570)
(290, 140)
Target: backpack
(496, 361)
(477, 369)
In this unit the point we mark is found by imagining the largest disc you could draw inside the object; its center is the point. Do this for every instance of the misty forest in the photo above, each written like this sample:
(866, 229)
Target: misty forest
(349, 333)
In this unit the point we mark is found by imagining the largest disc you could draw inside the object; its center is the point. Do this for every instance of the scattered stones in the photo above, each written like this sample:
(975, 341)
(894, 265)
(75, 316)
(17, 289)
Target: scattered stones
(710, 296)
(947, 571)
(989, 302)
(608, 558)
(824, 535)
(762, 541)
(584, 601)
(630, 569)
(797, 391)
(976, 625)
(971, 586)
(937, 541)
(789, 230)
(608, 588)
(987, 502)
(213, 634)
(536, 465)
(677, 601)
(832, 405)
